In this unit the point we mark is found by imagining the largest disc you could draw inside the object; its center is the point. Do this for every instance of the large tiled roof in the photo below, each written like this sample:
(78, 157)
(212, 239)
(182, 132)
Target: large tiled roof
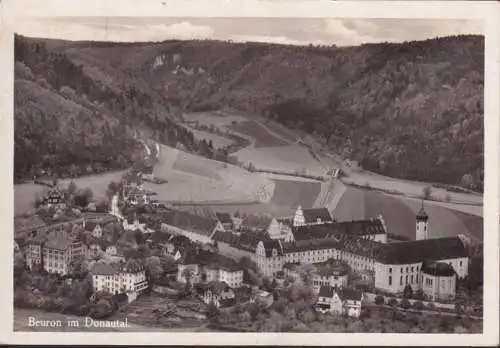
(312, 215)
(312, 244)
(332, 268)
(59, 240)
(270, 245)
(440, 269)
(189, 222)
(102, 268)
(353, 228)
(350, 294)
(420, 250)
(224, 218)
(326, 291)
(159, 236)
(256, 221)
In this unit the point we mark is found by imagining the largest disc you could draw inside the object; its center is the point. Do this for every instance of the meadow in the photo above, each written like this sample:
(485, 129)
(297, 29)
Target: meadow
(26, 194)
(262, 137)
(399, 214)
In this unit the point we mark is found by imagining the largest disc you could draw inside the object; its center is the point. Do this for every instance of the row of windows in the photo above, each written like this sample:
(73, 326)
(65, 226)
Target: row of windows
(412, 280)
(408, 269)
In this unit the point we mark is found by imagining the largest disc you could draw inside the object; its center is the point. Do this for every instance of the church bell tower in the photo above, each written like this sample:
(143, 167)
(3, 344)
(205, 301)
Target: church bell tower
(422, 222)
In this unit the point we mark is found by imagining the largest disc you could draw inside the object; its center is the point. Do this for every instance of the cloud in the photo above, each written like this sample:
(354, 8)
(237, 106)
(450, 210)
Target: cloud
(109, 31)
(284, 40)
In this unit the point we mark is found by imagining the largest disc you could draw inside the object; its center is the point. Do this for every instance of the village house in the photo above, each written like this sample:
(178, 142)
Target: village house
(332, 273)
(133, 224)
(55, 198)
(119, 278)
(255, 223)
(220, 294)
(340, 302)
(263, 297)
(309, 217)
(205, 266)
(196, 228)
(111, 250)
(226, 221)
(281, 228)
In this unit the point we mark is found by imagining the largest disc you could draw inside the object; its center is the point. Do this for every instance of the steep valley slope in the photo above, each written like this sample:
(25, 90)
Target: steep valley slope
(412, 110)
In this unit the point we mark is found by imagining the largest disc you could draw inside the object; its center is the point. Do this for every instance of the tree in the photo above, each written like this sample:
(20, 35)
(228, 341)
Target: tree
(154, 267)
(212, 312)
(78, 266)
(426, 192)
(408, 291)
(72, 188)
(418, 305)
(405, 303)
(379, 300)
(393, 302)
(187, 273)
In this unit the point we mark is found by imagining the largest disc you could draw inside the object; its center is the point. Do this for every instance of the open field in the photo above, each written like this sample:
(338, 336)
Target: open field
(399, 214)
(98, 182)
(194, 178)
(218, 141)
(409, 188)
(289, 158)
(24, 197)
(217, 120)
(25, 194)
(293, 193)
(262, 137)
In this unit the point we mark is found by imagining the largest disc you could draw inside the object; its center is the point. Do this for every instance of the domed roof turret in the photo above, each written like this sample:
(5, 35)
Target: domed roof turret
(422, 214)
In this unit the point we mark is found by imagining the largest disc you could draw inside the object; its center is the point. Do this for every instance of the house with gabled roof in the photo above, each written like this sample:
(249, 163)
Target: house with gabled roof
(341, 302)
(226, 220)
(220, 294)
(313, 216)
(118, 278)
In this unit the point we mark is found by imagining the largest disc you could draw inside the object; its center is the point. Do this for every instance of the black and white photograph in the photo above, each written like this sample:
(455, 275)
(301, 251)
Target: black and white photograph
(249, 175)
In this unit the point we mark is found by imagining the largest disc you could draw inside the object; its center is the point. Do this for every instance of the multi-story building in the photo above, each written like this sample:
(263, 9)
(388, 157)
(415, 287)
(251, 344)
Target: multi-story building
(114, 278)
(438, 281)
(394, 265)
(53, 252)
(341, 302)
(332, 273)
(205, 266)
(310, 217)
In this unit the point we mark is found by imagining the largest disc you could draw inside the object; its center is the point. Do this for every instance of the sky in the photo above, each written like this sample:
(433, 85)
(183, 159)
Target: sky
(296, 31)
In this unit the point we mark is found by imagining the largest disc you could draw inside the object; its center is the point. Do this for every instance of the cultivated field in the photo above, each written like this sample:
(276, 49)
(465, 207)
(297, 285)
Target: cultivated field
(98, 182)
(262, 137)
(288, 158)
(294, 193)
(399, 214)
(197, 179)
(218, 141)
(25, 196)
(217, 120)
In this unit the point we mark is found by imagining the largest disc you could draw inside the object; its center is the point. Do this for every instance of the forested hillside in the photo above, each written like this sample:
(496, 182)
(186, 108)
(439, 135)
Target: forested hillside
(412, 110)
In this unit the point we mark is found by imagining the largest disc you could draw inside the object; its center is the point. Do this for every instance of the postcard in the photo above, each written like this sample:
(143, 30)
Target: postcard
(250, 172)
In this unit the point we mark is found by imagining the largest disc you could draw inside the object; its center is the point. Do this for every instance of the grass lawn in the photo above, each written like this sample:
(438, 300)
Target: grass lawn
(262, 137)
(399, 214)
